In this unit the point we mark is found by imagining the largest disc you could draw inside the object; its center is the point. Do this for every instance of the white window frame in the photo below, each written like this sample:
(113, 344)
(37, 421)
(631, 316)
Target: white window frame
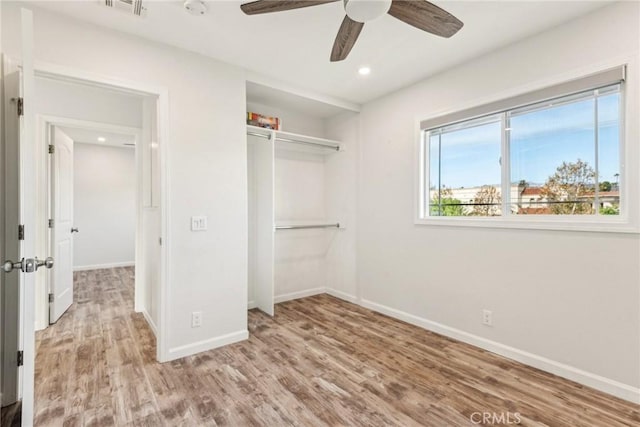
(626, 222)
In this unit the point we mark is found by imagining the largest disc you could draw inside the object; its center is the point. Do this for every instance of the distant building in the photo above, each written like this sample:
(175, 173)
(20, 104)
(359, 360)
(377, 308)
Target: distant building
(526, 199)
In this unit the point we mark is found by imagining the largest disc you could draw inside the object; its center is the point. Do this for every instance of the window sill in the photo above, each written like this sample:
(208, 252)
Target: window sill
(619, 225)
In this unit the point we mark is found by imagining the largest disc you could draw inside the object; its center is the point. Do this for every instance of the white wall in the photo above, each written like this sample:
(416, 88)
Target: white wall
(341, 175)
(292, 121)
(300, 255)
(568, 302)
(82, 102)
(104, 206)
(206, 165)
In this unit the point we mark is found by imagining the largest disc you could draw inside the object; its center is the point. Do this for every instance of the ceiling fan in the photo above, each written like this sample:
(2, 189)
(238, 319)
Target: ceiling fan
(419, 13)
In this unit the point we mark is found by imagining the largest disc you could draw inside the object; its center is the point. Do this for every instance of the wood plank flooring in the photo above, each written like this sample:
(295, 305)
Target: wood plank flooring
(11, 415)
(320, 361)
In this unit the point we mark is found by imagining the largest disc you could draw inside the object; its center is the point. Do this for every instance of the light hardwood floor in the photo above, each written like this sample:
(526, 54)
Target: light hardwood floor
(320, 361)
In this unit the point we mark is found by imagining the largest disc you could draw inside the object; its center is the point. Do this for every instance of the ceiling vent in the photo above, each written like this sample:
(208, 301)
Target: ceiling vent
(131, 6)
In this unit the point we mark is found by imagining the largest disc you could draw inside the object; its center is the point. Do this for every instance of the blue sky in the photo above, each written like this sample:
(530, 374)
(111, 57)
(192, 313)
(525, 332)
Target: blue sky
(540, 141)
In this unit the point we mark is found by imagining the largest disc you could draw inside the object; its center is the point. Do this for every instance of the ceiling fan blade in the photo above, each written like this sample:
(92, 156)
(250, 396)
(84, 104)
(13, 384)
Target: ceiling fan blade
(268, 6)
(425, 16)
(346, 38)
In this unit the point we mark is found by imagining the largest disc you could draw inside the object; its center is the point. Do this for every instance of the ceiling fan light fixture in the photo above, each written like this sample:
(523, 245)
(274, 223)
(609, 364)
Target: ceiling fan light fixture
(366, 10)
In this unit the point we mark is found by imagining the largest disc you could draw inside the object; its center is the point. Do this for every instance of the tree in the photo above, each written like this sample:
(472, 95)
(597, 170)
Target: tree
(610, 210)
(605, 186)
(444, 204)
(487, 202)
(570, 190)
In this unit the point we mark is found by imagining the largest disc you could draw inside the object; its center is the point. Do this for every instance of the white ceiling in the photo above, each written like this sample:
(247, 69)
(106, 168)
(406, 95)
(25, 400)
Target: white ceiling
(294, 46)
(265, 95)
(90, 136)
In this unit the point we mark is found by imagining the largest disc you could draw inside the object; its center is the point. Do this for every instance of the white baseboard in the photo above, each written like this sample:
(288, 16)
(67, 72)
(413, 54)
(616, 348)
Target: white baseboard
(299, 294)
(308, 293)
(149, 320)
(615, 388)
(103, 266)
(205, 345)
(343, 296)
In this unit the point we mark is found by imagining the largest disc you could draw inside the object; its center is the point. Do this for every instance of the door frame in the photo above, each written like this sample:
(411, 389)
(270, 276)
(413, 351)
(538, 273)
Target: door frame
(44, 125)
(60, 73)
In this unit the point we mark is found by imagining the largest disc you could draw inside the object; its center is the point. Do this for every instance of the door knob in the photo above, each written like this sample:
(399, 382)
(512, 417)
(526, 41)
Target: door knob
(48, 263)
(74, 230)
(9, 266)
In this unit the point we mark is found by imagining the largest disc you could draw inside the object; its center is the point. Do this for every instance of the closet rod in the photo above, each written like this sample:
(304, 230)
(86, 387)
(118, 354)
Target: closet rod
(261, 135)
(295, 141)
(298, 227)
(317, 144)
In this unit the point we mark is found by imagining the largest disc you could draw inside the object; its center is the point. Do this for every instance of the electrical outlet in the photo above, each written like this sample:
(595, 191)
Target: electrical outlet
(196, 319)
(487, 317)
(198, 223)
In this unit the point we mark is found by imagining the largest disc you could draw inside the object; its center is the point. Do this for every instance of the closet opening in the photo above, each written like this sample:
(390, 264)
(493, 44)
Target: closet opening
(301, 182)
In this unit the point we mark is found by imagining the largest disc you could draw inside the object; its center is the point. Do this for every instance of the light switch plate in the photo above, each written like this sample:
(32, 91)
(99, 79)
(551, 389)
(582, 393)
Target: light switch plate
(198, 223)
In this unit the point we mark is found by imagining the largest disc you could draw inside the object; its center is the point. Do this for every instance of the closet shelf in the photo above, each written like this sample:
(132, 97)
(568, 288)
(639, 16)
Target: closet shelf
(294, 138)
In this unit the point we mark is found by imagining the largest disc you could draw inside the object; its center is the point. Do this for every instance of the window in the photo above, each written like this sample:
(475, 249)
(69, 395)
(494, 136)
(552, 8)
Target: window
(553, 153)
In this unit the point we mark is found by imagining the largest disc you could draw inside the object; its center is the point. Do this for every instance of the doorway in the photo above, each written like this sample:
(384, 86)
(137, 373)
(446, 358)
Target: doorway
(31, 302)
(92, 202)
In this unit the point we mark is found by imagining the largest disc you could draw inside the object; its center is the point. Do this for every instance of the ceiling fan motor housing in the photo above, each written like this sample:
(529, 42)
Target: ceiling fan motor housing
(366, 10)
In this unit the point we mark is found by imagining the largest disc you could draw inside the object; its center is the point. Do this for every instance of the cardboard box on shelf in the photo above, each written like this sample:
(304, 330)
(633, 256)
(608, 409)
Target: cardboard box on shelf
(263, 121)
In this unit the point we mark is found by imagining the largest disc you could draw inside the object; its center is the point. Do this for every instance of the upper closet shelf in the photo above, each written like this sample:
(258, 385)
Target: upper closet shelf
(288, 138)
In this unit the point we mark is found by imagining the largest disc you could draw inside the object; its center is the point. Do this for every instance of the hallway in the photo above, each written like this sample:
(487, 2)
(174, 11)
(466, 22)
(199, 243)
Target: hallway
(88, 365)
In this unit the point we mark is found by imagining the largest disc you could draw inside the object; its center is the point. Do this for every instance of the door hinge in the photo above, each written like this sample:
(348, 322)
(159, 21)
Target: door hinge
(52, 148)
(50, 223)
(20, 102)
(20, 357)
(160, 241)
(21, 232)
(51, 297)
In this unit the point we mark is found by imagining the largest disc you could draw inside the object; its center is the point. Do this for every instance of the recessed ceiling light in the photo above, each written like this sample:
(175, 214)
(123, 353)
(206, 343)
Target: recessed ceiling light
(102, 139)
(364, 71)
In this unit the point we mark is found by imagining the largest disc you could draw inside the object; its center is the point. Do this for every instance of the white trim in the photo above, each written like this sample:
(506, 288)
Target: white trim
(532, 86)
(524, 222)
(205, 345)
(103, 266)
(44, 69)
(298, 294)
(626, 222)
(615, 388)
(343, 296)
(308, 293)
(150, 321)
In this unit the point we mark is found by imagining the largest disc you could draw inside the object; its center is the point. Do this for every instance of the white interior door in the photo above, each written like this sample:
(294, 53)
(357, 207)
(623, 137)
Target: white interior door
(61, 285)
(13, 250)
(18, 285)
